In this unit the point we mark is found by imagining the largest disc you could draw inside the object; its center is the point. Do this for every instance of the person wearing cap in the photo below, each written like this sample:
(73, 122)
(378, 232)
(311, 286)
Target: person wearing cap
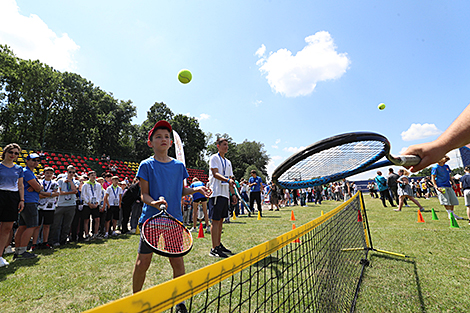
(222, 185)
(441, 176)
(29, 217)
(161, 182)
(112, 200)
(11, 195)
(65, 210)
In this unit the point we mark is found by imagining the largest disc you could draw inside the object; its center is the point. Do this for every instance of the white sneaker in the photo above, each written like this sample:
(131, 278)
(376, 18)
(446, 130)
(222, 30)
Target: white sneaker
(105, 236)
(3, 262)
(132, 231)
(208, 229)
(8, 250)
(407, 205)
(458, 217)
(114, 234)
(192, 230)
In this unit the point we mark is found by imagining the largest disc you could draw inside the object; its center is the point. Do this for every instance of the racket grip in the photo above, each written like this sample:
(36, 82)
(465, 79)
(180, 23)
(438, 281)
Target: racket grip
(162, 206)
(405, 160)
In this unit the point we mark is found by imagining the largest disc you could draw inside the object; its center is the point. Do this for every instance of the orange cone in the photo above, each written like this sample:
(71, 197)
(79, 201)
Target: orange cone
(359, 216)
(201, 231)
(298, 239)
(420, 217)
(292, 217)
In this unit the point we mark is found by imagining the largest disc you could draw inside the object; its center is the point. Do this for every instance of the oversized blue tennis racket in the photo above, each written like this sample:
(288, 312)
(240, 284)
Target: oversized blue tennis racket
(338, 157)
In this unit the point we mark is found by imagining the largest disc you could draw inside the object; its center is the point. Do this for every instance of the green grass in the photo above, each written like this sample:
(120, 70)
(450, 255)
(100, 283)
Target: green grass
(436, 279)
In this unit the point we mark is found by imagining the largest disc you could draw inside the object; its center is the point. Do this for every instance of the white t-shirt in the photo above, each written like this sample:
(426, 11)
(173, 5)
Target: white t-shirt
(48, 203)
(113, 195)
(224, 166)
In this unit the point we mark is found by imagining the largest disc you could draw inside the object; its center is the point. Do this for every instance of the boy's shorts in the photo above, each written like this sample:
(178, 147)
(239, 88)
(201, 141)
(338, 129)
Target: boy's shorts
(466, 195)
(447, 198)
(112, 213)
(46, 217)
(29, 217)
(201, 200)
(218, 208)
(87, 211)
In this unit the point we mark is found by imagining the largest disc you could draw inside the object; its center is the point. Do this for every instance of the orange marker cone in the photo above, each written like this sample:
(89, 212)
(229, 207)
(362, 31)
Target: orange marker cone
(201, 231)
(420, 217)
(298, 239)
(292, 217)
(359, 216)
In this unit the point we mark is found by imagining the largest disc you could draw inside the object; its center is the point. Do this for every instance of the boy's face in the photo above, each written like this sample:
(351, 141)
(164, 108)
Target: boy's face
(115, 181)
(223, 146)
(160, 140)
(92, 176)
(48, 175)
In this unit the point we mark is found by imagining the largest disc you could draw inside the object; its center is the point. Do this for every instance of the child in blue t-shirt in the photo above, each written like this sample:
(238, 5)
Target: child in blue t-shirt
(161, 176)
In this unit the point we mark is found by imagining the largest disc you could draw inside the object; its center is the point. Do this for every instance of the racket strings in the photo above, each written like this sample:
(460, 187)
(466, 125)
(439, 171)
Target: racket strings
(336, 160)
(167, 235)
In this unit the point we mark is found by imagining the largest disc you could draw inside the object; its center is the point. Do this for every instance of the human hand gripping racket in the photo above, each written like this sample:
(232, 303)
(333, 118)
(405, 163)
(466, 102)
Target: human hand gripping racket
(338, 157)
(165, 235)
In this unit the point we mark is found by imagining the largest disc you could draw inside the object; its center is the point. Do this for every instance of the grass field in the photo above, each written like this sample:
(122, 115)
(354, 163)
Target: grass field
(435, 279)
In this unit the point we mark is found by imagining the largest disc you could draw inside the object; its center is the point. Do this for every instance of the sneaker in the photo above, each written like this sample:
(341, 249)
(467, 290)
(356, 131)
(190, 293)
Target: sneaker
(458, 217)
(105, 236)
(25, 255)
(48, 246)
(216, 252)
(223, 249)
(181, 308)
(208, 230)
(407, 205)
(132, 231)
(114, 234)
(192, 230)
(34, 247)
(57, 244)
(3, 262)
(8, 250)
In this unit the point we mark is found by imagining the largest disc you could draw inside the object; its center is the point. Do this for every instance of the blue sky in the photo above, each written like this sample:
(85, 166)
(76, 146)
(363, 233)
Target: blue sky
(284, 73)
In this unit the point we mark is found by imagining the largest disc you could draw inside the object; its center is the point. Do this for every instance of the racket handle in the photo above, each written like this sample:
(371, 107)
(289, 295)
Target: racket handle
(162, 206)
(405, 160)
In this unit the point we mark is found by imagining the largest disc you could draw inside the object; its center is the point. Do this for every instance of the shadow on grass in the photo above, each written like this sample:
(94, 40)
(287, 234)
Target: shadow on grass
(415, 270)
(14, 265)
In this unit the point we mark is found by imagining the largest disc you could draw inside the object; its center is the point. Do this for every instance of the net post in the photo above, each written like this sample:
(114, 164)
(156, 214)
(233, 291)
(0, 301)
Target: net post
(365, 222)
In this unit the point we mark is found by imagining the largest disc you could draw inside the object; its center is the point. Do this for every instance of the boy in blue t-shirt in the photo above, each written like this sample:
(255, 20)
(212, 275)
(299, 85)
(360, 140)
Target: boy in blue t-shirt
(161, 176)
(441, 175)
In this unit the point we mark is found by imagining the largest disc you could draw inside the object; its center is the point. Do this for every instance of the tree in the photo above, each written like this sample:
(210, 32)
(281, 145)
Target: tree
(193, 139)
(248, 170)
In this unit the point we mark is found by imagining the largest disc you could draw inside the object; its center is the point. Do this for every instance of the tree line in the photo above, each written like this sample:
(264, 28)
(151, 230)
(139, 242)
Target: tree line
(45, 109)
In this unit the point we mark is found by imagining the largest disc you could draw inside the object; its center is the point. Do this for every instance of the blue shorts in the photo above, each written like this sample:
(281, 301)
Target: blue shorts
(218, 208)
(29, 217)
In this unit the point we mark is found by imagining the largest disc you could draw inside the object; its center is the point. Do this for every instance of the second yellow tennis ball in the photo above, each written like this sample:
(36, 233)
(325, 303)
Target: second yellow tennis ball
(184, 76)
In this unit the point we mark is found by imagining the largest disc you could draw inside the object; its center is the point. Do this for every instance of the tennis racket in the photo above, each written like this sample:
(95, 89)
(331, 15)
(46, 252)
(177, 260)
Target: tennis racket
(166, 235)
(242, 200)
(338, 157)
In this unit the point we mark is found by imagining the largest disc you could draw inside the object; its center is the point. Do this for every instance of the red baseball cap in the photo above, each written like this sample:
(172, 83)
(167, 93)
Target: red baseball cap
(161, 123)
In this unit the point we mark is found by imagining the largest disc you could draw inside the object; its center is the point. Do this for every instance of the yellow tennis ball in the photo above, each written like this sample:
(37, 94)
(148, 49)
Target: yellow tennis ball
(184, 76)
(381, 106)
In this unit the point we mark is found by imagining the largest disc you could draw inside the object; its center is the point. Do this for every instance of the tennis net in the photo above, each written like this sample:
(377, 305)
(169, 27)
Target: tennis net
(316, 267)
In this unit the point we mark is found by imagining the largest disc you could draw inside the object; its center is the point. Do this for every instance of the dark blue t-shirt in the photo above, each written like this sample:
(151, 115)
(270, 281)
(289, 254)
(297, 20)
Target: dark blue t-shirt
(197, 195)
(257, 186)
(465, 180)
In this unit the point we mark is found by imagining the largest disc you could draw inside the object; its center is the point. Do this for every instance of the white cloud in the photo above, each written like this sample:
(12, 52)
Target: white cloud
(257, 102)
(203, 116)
(297, 75)
(418, 131)
(273, 164)
(293, 149)
(275, 147)
(260, 52)
(31, 38)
